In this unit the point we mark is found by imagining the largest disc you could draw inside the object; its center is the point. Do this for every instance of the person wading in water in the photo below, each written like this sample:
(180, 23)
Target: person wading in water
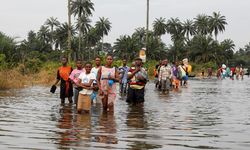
(137, 80)
(95, 71)
(106, 78)
(74, 79)
(66, 88)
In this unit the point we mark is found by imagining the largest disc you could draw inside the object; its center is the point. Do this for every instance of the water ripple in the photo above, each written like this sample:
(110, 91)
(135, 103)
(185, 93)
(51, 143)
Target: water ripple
(209, 114)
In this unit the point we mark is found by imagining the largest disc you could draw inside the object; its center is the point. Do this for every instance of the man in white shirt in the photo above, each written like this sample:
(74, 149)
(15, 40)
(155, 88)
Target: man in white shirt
(165, 76)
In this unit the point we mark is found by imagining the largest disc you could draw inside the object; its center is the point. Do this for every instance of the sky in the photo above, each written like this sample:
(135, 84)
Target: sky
(18, 17)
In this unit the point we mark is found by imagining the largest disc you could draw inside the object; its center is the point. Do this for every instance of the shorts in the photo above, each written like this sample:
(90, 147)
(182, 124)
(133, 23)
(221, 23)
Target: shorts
(94, 95)
(185, 78)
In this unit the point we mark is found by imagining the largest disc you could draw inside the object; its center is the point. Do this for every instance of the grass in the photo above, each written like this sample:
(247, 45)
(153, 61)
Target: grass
(15, 78)
(10, 79)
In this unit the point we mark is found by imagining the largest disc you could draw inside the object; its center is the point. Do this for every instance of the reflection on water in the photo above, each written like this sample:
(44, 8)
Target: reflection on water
(107, 129)
(209, 114)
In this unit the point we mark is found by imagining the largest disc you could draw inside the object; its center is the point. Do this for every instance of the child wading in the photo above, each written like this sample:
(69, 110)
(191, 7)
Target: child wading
(95, 71)
(106, 78)
(123, 71)
(66, 89)
(74, 78)
(85, 81)
(175, 76)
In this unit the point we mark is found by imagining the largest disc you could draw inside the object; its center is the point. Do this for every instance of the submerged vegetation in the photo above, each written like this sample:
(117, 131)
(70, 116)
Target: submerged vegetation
(195, 39)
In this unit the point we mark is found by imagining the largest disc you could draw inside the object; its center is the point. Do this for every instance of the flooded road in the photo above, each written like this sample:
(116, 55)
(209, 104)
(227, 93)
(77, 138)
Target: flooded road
(209, 114)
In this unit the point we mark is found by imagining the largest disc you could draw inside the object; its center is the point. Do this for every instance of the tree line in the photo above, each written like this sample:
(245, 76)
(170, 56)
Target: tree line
(194, 38)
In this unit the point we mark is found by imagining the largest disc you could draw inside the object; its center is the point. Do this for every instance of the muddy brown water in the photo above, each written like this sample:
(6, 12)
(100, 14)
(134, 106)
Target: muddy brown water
(209, 114)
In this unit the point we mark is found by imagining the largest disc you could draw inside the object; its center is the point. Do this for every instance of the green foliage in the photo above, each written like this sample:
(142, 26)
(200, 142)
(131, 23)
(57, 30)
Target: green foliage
(194, 39)
(51, 67)
(2, 61)
(242, 56)
(150, 66)
(33, 65)
(129, 46)
(7, 48)
(197, 68)
(117, 63)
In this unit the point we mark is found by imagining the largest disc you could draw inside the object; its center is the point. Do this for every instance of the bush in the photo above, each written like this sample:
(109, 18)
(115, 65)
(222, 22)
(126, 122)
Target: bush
(2, 61)
(150, 66)
(33, 65)
(197, 68)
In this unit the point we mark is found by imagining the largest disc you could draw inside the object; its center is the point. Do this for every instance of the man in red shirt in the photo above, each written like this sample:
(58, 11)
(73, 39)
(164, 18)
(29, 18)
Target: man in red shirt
(137, 77)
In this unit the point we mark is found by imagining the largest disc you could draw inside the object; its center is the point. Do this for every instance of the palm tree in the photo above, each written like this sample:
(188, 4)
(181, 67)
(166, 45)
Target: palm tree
(160, 27)
(156, 48)
(83, 24)
(31, 36)
(126, 46)
(217, 23)
(52, 22)
(228, 44)
(81, 8)
(61, 35)
(203, 49)
(175, 29)
(7, 48)
(189, 28)
(91, 39)
(140, 35)
(247, 49)
(103, 26)
(227, 49)
(44, 34)
(202, 24)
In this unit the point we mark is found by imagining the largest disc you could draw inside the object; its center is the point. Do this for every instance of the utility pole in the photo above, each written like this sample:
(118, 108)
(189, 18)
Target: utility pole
(147, 25)
(69, 30)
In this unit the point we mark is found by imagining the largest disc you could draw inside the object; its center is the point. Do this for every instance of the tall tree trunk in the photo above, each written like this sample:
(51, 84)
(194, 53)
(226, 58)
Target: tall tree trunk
(102, 39)
(89, 54)
(147, 26)
(80, 33)
(69, 30)
(52, 38)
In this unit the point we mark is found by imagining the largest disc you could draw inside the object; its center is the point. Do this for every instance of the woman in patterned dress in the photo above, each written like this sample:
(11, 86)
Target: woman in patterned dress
(106, 78)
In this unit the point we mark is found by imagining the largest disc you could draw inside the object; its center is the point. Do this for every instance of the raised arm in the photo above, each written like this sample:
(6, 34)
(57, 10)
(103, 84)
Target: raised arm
(133, 73)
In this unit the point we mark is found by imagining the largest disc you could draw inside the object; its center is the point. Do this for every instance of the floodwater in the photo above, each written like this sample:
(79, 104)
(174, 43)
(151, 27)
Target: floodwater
(209, 114)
